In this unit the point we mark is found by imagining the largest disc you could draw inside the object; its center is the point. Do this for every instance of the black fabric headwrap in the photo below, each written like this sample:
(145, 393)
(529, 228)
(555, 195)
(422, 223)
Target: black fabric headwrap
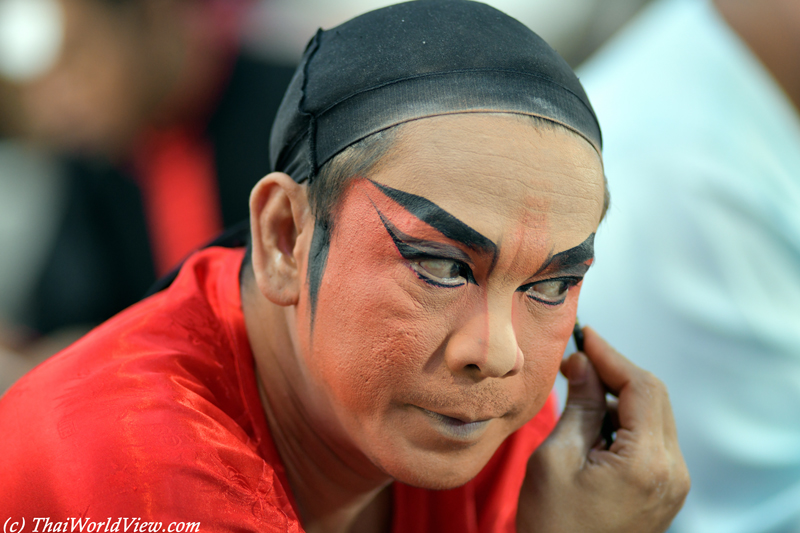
(414, 60)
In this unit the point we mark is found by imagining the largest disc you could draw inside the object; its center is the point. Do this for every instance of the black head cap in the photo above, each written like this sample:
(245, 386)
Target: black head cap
(414, 60)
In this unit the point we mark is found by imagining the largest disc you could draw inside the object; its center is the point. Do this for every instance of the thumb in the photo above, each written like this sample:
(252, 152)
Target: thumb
(579, 426)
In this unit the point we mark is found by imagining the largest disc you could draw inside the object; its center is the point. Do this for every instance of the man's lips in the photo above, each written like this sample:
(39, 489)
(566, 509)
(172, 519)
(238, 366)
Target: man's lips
(456, 417)
(458, 427)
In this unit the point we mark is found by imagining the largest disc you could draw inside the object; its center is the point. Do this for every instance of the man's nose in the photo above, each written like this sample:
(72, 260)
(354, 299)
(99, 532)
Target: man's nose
(485, 345)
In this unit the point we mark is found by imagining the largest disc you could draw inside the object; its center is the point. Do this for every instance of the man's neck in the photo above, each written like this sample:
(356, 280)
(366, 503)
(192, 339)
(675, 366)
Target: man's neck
(771, 28)
(336, 490)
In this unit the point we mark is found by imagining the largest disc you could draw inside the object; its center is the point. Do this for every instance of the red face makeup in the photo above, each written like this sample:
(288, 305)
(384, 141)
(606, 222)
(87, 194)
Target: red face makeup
(448, 294)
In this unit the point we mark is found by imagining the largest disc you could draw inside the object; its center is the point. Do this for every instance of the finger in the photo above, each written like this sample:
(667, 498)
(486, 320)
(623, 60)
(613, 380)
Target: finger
(670, 428)
(641, 395)
(614, 370)
(579, 426)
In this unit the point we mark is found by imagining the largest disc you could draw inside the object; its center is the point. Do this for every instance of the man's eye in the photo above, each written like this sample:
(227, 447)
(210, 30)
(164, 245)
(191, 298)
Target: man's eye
(552, 291)
(443, 272)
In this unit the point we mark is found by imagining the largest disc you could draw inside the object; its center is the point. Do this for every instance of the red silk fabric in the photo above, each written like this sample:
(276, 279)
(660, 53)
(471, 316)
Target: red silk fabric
(156, 414)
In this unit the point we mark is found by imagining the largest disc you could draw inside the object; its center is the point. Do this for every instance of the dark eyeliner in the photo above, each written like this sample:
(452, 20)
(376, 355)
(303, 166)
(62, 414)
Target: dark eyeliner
(463, 270)
(427, 250)
(570, 282)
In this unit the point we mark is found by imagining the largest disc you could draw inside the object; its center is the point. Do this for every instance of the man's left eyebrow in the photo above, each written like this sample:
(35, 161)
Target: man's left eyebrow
(572, 259)
(439, 219)
(411, 247)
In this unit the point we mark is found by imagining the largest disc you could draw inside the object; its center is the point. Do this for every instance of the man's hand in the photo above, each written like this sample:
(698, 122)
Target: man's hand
(575, 483)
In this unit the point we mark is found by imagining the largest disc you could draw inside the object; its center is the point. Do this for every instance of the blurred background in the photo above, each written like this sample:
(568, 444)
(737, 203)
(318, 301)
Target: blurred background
(575, 28)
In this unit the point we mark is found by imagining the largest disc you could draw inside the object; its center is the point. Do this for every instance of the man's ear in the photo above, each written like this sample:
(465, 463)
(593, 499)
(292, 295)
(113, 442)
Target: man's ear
(279, 220)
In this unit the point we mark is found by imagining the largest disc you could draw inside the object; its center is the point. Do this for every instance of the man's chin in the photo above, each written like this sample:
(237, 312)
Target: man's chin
(436, 471)
(421, 451)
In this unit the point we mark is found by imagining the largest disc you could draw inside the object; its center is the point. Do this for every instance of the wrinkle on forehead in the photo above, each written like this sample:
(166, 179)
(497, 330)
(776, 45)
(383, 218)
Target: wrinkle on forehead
(496, 162)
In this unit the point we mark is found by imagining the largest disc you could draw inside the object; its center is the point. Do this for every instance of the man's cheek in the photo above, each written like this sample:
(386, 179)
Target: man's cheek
(542, 340)
(387, 361)
(371, 335)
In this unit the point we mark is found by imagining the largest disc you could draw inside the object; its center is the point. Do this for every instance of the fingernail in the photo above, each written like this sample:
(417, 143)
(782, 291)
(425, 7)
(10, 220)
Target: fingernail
(577, 369)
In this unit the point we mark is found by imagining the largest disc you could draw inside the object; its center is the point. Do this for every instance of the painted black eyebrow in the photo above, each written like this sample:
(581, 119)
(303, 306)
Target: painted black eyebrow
(439, 219)
(573, 259)
(414, 248)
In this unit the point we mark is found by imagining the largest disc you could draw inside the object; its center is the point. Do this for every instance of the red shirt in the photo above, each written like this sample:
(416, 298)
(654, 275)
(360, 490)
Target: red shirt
(156, 415)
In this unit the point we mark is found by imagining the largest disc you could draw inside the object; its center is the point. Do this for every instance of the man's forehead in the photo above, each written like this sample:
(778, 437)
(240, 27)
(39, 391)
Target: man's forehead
(493, 170)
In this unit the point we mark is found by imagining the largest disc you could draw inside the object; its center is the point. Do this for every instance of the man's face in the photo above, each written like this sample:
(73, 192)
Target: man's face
(448, 294)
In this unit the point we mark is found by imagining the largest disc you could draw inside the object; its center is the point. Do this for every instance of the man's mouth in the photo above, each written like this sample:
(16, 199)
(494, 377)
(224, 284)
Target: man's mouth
(461, 428)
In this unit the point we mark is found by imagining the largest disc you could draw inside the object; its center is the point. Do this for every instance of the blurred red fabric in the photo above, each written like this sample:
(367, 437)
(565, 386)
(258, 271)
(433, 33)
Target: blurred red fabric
(180, 195)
